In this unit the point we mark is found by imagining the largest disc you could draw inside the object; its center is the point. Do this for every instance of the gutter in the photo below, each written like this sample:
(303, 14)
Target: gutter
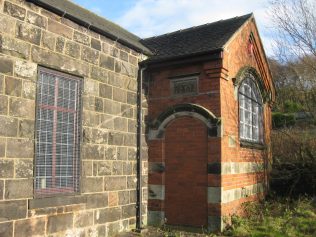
(88, 25)
(194, 57)
(139, 152)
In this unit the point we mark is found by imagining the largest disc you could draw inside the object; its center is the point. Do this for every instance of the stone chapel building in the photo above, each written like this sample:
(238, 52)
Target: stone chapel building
(102, 132)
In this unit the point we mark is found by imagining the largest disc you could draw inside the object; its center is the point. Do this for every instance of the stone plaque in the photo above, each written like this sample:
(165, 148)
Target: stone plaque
(185, 86)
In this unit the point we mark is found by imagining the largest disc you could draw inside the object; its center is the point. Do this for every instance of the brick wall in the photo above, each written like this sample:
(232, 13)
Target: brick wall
(236, 174)
(32, 36)
(236, 56)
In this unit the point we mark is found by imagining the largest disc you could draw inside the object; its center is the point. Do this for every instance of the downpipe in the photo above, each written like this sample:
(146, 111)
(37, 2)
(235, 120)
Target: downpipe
(139, 224)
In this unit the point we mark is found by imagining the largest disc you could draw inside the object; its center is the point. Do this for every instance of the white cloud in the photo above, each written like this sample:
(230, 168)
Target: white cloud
(154, 17)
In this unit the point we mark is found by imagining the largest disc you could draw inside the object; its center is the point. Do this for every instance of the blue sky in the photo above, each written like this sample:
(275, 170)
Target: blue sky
(147, 18)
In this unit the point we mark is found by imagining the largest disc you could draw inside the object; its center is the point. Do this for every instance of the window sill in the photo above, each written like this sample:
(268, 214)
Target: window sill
(252, 145)
(56, 201)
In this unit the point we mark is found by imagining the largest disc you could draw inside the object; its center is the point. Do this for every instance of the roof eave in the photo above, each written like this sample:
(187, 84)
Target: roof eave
(81, 22)
(200, 56)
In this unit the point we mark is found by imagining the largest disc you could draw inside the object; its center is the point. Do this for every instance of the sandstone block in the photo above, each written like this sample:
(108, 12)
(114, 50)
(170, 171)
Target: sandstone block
(90, 55)
(124, 198)
(14, 47)
(8, 126)
(107, 215)
(59, 29)
(72, 49)
(28, 33)
(117, 168)
(6, 229)
(30, 227)
(118, 66)
(29, 90)
(59, 62)
(131, 98)
(107, 62)
(14, 10)
(92, 184)
(115, 52)
(128, 211)
(119, 95)
(129, 139)
(110, 153)
(123, 55)
(59, 223)
(6, 25)
(48, 40)
(91, 87)
(2, 147)
(116, 79)
(86, 168)
(121, 153)
(88, 102)
(127, 168)
(13, 86)
(114, 183)
(18, 188)
(25, 69)
(83, 219)
(131, 154)
(81, 38)
(7, 168)
(105, 48)
(132, 126)
(22, 108)
(98, 136)
(105, 91)
(3, 104)
(116, 139)
(92, 152)
(6, 66)
(96, 44)
(1, 84)
(99, 74)
(20, 148)
(131, 182)
(11, 210)
(90, 118)
(60, 44)
(98, 104)
(113, 199)
(36, 19)
(24, 168)
(104, 168)
(98, 200)
(114, 228)
(132, 60)
(120, 124)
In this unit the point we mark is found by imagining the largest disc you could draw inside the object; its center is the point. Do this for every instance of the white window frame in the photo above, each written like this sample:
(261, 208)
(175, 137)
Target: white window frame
(250, 111)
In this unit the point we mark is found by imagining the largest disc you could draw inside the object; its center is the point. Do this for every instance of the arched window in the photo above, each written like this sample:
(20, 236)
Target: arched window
(250, 111)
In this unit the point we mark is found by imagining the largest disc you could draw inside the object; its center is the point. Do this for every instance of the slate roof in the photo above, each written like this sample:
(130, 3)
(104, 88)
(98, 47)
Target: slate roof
(96, 23)
(195, 40)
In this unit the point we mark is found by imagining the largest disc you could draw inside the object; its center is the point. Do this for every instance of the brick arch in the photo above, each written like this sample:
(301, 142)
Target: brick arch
(159, 125)
(247, 70)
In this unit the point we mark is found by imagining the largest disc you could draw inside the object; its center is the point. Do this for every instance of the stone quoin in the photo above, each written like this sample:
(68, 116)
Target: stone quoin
(103, 132)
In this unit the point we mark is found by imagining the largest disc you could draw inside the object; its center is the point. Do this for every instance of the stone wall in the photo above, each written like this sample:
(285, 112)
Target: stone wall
(32, 36)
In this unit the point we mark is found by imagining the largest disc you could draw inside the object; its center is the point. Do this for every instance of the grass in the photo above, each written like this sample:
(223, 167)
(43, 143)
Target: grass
(271, 218)
(276, 218)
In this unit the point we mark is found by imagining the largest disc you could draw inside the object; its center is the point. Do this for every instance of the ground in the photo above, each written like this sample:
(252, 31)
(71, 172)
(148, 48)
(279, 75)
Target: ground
(271, 218)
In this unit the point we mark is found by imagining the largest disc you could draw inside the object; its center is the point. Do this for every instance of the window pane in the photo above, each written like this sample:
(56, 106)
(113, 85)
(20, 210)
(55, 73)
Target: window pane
(250, 111)
(57, 141)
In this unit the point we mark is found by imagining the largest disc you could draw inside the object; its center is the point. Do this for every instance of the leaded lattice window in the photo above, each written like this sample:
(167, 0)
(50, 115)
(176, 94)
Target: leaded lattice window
(250, 111)
(57, 133)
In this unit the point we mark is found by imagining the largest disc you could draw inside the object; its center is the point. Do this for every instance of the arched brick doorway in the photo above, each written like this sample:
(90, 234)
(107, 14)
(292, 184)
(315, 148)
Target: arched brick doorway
(186, 172)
